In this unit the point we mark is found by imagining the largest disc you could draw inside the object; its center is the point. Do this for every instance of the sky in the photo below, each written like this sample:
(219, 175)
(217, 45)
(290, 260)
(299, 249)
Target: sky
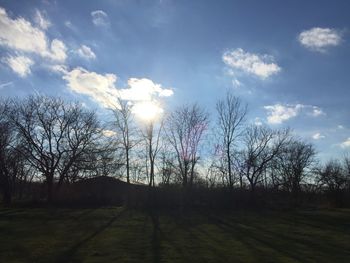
(289, 60)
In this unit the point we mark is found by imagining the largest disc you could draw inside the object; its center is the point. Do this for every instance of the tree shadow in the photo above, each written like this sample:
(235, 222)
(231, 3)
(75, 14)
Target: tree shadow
(68, 255)
(293, 245)
(155, 236)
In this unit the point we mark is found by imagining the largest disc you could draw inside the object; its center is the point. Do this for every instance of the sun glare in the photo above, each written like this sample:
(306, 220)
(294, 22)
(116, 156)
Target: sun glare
(147, 110)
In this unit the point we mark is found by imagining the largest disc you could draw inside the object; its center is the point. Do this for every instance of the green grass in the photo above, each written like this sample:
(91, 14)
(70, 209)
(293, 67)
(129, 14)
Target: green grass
(118, 235)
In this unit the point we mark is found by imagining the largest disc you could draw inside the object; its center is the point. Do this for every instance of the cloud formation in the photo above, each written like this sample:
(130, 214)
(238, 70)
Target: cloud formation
(258, 121)
(278, 113)
(99, 18)
(262, 66)
(316, 111)
(143, 90)
(6, 84)
(100, 88)
(346, 143)
(20, 65)
(318, 136)
(86, 52)
(20, 35)
(41, 20)
(319, 39)
(108, 133)
(103, 90)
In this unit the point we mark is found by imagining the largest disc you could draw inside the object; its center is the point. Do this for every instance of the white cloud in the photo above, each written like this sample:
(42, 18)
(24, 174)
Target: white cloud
(109, 133)
(346, 143)
(20, 35)
(236, 83)
(86, 52)
(41, 20)
(143, 89)
(316, 111)
(6, 84)
(147, 110)
(340, 127)
(319, 39)
(102, 88)
(20, 65)
(261, 66)
(318, 136)
(99, 18)
(258, 121)
(279, 113)
(58, 68)
(58, 50)
(69, 25)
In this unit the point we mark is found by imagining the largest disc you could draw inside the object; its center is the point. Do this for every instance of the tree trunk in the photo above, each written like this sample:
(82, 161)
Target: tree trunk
(7, 194)
(229, 167)
(127, 167)
(49, 181)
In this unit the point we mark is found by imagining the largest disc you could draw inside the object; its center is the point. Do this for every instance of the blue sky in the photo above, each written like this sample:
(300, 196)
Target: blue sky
(289, 60)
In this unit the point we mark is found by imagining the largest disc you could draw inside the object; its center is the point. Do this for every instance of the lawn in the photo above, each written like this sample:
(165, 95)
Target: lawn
(119, 235)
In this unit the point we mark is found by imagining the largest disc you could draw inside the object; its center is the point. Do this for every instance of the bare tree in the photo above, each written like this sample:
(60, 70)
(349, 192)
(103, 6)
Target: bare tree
(332, 175)
(292, 164)
(231, 115)
(185, 128)
(100, 160)
(56, 136)
(125, 127)
(152, 137)
(167, 166)
(9, 158)
(14, 170)
(261, 146)
(346, 165)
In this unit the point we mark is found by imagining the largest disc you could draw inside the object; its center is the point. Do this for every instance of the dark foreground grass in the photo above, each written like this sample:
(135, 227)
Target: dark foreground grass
(119, 235)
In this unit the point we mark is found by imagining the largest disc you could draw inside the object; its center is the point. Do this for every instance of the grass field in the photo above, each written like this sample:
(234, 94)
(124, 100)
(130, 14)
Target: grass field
(118, 235)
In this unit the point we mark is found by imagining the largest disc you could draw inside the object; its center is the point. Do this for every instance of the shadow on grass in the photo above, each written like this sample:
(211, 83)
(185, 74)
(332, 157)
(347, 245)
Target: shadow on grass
(293, 242)
(155, 236)
(68, 255)
(256, 240)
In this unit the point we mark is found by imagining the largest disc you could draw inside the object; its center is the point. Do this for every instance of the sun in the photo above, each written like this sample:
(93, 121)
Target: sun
(147, 110)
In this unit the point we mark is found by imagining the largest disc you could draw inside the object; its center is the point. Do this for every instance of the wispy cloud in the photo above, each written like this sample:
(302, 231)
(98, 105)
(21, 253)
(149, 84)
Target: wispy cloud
(86, 52)
(99, 18)
(278, 113)
(258, 121)
(69, 25)
(319, 39)
(6, 84)
(318, 136)
(316, 111)
(41, 20)
(262, 66)
(19, 64)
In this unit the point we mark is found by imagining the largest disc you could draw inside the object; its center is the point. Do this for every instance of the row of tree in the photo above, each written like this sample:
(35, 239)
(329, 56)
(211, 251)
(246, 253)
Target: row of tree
(56, 142)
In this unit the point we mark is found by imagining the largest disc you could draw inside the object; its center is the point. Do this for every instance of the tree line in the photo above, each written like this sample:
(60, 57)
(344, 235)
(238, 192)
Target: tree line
(54, 142)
